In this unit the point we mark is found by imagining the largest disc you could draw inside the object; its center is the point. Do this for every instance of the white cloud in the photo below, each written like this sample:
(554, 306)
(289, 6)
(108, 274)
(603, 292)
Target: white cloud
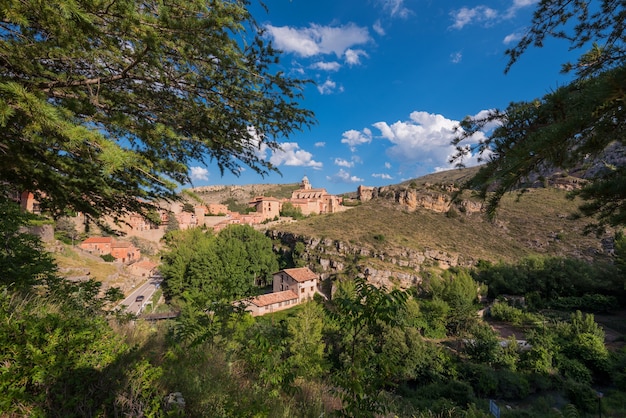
(344, 163)
(328, 87)
(424, 140)
(320, 144)
(199, 174)
(317, 39)
(290, 154)
(476, 15)
(326, 66)
(395, 8)
(456, 57)
(342, 176)
(353, 56)
(383, 176)
(354, 138)
(378, 28)
(518, 4)
(513, 37)
(387, 166)
(486, 15)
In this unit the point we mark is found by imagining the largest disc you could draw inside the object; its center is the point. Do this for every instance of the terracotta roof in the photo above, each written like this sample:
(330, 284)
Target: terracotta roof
(121, 244)
(301, 274)
(272, 298)
(98, 240)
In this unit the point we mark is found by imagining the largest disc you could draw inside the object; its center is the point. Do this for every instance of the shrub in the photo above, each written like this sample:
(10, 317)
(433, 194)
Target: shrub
(107, 257)
(501, 311)
(379, 237)
(581, 395)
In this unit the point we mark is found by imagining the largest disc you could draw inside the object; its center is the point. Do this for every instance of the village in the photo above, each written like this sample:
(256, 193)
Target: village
(290, 286)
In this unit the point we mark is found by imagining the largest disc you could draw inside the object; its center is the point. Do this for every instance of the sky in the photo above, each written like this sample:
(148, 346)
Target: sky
(392, 80)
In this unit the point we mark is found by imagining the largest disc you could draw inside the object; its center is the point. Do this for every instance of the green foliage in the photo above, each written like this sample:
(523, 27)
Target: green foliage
(460, 292)
(288, 209)
(568, 126)
(204, 274)
(116, 100)
(65, 231)
(172, 223)
(188, 207)
(588, 303)
(435, 312)
(361, 312)
(23, 261)
(501, 311)
(58, 360)
(546, 280)
(107, 257)
(223, 267)
(483, 345)
(235, 206)
(214, 386)
(305, 343)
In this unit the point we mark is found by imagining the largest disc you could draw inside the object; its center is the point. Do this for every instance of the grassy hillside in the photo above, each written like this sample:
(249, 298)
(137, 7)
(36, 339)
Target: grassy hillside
(537, 223)
(243, 194)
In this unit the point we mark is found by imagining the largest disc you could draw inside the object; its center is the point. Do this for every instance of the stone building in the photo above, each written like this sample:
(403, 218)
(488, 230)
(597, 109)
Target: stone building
(315, 200)
(121, 250)
(301, 280)
(290, 287)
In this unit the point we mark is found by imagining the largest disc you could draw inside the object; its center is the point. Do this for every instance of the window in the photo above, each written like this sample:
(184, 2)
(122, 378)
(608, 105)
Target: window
(302, 290)
(311, 288)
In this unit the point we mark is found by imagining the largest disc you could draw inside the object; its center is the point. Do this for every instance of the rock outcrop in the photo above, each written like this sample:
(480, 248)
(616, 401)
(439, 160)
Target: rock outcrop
(436, 198)
(403, 267)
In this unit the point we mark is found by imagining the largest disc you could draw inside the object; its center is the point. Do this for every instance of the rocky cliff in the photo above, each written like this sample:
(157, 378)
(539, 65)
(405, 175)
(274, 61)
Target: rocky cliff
(392, 267)
(437, 198)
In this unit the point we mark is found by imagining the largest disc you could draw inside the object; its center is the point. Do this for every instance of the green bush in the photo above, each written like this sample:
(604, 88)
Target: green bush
(588, 303)
(501, 311)
(107, 257)
(512, 385)
(581, 395)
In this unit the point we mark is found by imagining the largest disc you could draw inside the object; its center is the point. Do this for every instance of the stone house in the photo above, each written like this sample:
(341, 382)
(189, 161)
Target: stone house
(267, 207)
(216, 209)
(290, 287)
(300, 280)
(122, 251)
(97, 245)
(125, 251)
(272, 302)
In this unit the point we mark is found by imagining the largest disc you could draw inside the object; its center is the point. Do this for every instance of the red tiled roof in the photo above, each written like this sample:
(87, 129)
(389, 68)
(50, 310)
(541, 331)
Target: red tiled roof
(98, 240)
(121, 244)
(301, 274)
(272, 298)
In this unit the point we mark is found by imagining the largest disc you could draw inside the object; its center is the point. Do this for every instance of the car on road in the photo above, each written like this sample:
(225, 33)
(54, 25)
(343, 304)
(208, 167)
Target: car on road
(139, 298)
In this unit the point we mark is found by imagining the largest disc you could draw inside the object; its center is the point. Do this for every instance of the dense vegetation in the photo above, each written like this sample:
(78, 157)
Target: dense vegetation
(366, 351)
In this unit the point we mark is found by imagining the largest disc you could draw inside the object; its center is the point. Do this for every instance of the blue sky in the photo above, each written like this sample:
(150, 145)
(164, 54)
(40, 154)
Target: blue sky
(393, 78)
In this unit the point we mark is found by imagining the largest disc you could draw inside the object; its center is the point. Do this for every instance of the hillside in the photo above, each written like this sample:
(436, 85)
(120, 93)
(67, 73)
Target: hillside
(417, 224)
(242, 194)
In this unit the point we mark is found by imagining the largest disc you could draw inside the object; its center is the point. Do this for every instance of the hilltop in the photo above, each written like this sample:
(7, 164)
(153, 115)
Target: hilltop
(399, 231)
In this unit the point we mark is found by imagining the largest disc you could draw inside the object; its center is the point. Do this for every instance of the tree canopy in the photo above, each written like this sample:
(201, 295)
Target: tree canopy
(105, 104)
(580, 126)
